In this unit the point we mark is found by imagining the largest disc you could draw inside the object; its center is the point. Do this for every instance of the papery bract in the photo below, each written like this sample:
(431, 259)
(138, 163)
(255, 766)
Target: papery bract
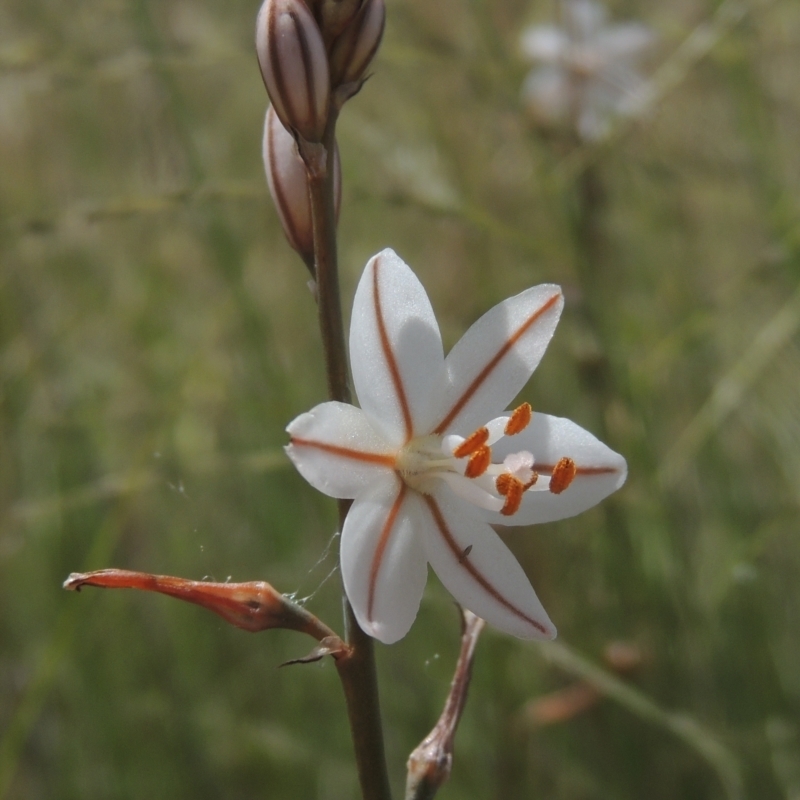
(432, 457)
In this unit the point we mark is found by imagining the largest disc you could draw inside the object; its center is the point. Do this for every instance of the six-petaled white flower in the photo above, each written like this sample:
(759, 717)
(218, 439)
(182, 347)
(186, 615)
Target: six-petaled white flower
(587, 73)
(431, 458)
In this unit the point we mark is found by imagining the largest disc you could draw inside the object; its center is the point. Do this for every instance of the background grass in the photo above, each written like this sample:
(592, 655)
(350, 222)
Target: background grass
(156, 335)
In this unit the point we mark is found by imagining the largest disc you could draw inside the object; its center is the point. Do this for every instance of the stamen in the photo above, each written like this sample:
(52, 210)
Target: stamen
(519, 420)
(473, 491)
(479, 462)
(512, 489)
(472, 443)
(503, 482)
(563, 474)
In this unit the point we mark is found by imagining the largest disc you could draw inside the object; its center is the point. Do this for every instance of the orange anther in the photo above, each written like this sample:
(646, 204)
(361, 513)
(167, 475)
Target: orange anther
(563, 474)
(472, 443)
(532, 481)
(512, 489)
(479, 462)
(503, 482)
(519, 420)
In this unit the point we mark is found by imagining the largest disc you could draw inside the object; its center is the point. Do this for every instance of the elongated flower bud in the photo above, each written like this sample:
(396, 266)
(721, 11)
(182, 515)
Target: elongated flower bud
(354, 50)
(294, 66)
(288, 185)
(335, 16)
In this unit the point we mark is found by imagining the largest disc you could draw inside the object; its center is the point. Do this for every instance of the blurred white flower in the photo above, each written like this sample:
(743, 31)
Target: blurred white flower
(432, 458)
(587, 69)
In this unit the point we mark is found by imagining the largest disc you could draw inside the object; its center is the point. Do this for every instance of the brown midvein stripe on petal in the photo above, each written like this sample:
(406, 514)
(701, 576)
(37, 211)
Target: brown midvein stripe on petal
(377, 558)
(494, 361)
(469, 566)
(391, 362)
(586, 471)
(383, 459)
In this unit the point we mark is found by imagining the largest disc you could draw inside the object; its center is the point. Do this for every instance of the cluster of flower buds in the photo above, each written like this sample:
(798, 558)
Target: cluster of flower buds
(313, 56)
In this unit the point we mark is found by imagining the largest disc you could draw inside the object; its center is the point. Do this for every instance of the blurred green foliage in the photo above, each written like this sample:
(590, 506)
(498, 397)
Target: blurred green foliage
(156, 335)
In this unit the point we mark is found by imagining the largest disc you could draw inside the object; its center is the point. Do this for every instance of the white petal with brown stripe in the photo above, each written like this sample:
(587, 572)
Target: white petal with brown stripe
(431, 457)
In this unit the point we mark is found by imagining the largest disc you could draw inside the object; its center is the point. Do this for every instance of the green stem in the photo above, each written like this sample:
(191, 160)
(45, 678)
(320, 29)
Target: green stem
(357, 670)
(684, 727)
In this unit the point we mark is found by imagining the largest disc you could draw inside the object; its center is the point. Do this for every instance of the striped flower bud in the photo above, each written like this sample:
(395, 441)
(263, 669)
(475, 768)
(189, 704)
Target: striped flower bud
(294, 66)
(335, 16)
(288, 185)
(354, 50)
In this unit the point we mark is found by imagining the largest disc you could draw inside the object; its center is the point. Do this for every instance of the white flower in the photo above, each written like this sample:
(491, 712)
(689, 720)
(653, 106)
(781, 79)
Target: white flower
(431, 458)
(588, 69)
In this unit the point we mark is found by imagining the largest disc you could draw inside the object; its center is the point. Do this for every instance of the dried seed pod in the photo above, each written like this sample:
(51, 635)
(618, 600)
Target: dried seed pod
(294, 66)
(353, 51)
(288, 185)
(253, 606)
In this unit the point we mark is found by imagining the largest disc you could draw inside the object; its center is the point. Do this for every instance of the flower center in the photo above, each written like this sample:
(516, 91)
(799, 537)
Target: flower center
(467, 466)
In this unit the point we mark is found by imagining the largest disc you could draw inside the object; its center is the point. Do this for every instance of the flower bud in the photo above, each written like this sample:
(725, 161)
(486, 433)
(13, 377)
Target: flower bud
(353, 51)
(288, 185)
(335, 16)
(294, 66)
